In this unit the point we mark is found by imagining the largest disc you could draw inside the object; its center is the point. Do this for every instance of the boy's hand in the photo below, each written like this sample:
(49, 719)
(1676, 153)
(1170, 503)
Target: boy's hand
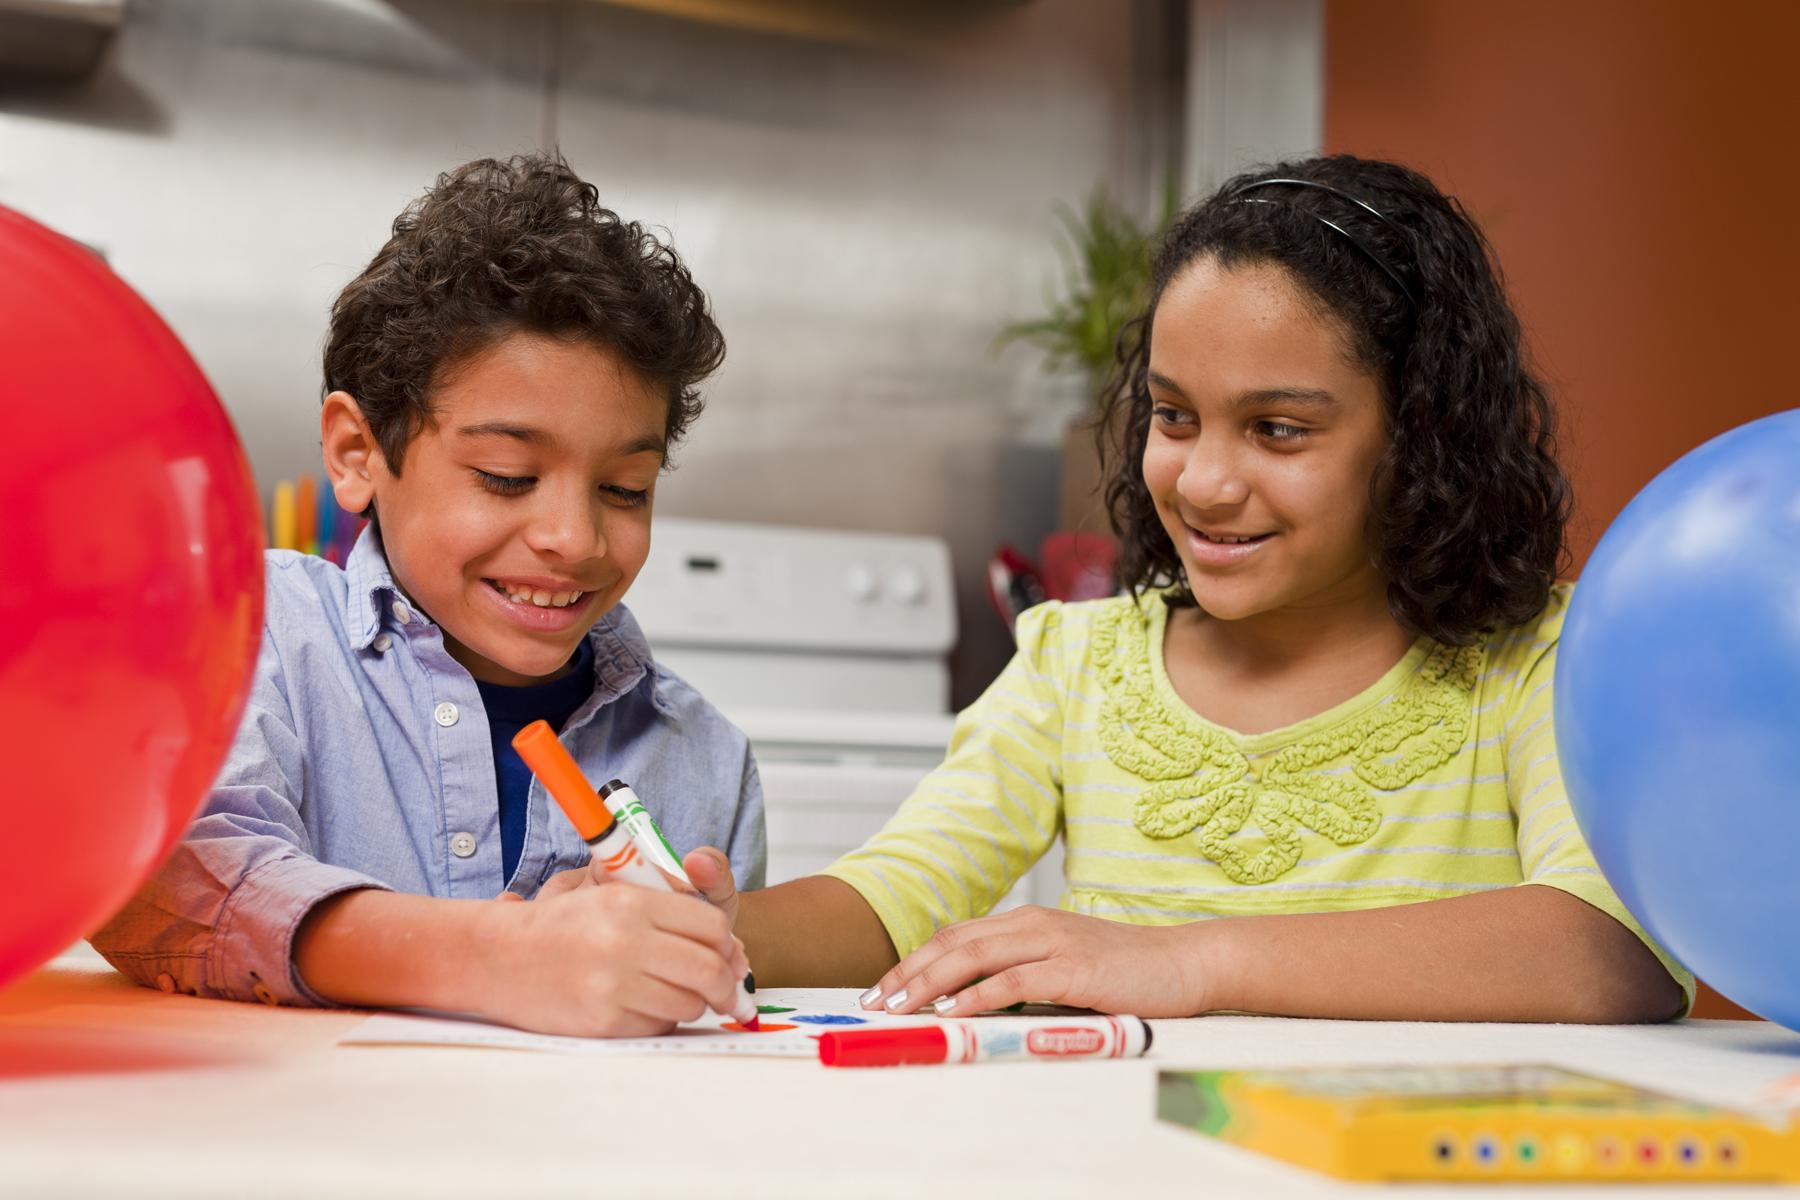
(711, 872)
(612, 961)
(574, 877)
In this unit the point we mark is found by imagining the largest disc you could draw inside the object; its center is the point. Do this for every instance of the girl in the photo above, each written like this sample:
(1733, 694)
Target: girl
(1306, 765)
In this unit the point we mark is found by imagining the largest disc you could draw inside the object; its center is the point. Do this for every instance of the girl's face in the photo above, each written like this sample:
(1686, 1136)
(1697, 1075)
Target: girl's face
(1264, 435)
(522, 510)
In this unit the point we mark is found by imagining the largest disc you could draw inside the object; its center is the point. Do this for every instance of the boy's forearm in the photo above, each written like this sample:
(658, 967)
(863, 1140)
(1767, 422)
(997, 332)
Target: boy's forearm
(376, 949)
(1527, 953)
(813, 932)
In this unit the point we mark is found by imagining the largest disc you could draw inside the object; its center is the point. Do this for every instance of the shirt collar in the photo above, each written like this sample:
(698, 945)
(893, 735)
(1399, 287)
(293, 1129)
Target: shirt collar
(622, 658)
(372, 587)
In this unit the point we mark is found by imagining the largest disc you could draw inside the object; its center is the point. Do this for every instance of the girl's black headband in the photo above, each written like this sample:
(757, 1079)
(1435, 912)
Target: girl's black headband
(1367, 251)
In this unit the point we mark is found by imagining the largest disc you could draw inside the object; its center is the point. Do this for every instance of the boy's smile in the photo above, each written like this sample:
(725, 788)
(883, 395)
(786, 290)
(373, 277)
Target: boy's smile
(520, 513)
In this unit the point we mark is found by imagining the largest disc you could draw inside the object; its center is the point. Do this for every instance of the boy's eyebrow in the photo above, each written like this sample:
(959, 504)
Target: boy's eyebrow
(1314, 397)
(523, 433)
(533, 435)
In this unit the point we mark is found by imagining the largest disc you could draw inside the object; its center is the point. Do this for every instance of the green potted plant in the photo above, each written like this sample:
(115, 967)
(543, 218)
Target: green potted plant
(1104, 283)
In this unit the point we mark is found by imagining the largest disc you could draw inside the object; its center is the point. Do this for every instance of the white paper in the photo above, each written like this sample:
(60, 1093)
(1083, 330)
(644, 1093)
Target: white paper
(815, 1010)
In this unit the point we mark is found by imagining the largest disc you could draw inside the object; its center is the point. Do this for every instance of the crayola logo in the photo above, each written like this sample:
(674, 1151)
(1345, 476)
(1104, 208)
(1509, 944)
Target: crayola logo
(1064, 1041)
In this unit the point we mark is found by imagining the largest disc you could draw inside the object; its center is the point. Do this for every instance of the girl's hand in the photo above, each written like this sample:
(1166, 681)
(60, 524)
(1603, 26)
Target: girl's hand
(608, 961)
(1046, 955)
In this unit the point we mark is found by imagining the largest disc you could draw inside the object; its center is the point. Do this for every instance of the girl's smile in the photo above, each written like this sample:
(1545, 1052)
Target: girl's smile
(1264, 436)
(1220, 550)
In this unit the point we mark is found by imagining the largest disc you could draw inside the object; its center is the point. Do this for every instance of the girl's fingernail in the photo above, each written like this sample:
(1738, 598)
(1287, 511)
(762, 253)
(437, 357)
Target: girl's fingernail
(942, 1005)
(868, 998)
(893, 1002)
(750, 982)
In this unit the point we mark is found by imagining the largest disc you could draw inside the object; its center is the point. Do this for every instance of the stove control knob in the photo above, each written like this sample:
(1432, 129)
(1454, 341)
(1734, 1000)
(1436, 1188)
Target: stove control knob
(861, 584)
(907, 586)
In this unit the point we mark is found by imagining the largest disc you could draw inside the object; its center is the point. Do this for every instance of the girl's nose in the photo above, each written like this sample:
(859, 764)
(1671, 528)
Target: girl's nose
(1211, 477)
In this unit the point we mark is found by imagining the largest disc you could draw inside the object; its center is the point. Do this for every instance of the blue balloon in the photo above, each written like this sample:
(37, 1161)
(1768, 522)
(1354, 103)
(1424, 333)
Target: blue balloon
(1678, 711)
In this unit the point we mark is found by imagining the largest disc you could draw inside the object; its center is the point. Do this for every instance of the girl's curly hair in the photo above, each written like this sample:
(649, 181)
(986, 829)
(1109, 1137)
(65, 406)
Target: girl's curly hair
(501, 247)
(1468, 505)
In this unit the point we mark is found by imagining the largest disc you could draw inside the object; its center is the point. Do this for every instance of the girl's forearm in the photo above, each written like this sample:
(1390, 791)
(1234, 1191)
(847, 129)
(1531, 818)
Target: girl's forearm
(813, 932)
(1527, 953)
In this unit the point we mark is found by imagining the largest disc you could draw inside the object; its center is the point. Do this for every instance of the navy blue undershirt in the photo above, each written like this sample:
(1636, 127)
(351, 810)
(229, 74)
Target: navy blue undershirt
(510, 709)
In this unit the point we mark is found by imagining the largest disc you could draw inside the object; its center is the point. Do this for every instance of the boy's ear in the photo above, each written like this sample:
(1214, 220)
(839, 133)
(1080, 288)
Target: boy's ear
(350, 450)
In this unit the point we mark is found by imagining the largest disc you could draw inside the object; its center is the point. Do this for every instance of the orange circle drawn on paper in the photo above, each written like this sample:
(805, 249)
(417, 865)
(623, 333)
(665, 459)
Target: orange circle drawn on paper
(767, 1027)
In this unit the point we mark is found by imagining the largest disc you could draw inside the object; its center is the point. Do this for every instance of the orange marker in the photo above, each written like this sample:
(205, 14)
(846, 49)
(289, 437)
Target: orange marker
(614, 852)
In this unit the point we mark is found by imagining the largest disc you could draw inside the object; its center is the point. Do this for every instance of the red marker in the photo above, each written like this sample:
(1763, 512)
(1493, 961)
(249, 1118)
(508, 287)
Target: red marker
(986, 1039)
(614, 852)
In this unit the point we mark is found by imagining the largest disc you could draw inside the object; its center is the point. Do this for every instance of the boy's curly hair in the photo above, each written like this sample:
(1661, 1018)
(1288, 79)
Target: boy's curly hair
(501, 247)
(1468, 504)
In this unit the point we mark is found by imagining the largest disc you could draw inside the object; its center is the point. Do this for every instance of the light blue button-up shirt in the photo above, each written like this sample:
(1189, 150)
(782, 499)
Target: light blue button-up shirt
(363, 760)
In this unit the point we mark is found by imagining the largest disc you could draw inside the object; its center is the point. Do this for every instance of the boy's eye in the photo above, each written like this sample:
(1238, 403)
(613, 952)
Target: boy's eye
(1281, 431)
(630, 497)
(504, 485)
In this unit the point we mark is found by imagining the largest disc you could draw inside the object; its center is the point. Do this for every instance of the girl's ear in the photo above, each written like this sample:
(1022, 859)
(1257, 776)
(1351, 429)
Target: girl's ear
(351, 452)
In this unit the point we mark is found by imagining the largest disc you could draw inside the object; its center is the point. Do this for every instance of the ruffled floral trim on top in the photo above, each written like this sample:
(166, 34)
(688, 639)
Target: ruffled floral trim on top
(1199, 780)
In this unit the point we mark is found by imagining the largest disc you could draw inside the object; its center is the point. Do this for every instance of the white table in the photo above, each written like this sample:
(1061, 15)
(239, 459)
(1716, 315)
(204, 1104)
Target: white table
(110, 1089)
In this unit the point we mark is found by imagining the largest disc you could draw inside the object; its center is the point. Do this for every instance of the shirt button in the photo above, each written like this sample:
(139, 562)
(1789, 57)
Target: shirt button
(402, 613)
(462, 845)
(166, 982)
(261, 992)
(382, 642)
(445, 714)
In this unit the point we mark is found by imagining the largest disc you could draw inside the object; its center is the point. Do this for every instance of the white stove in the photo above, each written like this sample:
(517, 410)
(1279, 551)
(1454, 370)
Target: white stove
(829, 649)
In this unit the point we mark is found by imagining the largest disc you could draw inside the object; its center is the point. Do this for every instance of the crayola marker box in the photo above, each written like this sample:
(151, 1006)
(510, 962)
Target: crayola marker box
(1497, 1123)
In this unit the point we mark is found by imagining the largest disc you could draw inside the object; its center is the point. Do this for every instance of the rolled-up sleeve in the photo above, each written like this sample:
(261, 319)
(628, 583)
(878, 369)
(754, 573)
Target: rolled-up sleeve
(219, 917)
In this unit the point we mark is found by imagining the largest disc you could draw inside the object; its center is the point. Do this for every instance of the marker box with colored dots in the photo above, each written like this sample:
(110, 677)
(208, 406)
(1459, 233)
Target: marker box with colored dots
(1506, 1123)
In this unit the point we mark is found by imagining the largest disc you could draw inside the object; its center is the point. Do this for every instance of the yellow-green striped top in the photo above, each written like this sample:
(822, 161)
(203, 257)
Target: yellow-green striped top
(1440, 779)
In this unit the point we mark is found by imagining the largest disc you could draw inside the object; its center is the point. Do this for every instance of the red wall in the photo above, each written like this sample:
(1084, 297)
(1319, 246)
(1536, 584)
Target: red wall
(1637, 167)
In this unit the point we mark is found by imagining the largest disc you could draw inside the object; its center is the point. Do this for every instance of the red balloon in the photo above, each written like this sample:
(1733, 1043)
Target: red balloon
(131, 591)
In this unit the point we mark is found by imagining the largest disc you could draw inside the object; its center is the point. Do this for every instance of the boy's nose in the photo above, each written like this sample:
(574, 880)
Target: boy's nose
(566, 530)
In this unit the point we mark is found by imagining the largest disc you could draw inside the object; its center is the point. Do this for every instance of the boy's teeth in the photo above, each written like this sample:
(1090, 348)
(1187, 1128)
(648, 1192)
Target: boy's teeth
(540, 598)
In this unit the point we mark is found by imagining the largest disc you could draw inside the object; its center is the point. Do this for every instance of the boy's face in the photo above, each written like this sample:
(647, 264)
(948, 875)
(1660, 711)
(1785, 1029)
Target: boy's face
(522, 510)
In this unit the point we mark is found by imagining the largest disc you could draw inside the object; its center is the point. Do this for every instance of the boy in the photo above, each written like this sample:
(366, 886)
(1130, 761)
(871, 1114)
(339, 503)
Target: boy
(503, 384)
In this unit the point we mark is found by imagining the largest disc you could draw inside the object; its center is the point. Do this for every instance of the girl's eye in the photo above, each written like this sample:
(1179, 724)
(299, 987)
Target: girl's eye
(1281, 431)
(1166, 415)
(504, 485)
(630, 497)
